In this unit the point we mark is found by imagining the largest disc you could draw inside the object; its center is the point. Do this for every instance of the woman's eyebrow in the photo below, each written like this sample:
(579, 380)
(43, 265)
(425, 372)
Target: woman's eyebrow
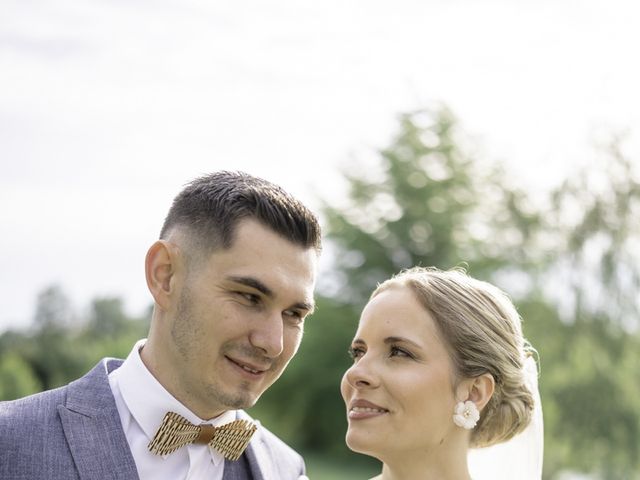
(390, 340)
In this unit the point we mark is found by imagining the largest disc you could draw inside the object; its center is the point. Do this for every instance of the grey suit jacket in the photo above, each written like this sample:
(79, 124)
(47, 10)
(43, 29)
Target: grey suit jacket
(74, 432)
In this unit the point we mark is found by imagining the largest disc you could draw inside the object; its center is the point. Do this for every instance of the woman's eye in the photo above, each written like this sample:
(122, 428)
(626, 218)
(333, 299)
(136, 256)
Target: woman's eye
(399, 352)
(356, 352)
(294, 315)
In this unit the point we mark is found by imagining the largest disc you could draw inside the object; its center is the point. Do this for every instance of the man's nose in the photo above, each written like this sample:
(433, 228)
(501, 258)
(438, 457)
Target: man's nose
(268, 334)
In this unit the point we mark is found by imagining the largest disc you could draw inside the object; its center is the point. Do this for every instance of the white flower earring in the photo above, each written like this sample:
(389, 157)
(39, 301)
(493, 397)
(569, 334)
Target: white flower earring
(466, 415)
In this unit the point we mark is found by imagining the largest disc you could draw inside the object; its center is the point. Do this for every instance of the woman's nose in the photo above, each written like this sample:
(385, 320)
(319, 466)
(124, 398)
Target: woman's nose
(362, 374)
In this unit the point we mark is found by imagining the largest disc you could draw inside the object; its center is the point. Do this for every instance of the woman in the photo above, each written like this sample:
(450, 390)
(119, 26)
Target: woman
(441, 366)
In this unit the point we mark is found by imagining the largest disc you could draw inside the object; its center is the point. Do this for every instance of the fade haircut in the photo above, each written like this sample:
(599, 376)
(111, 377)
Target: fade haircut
(208, 209)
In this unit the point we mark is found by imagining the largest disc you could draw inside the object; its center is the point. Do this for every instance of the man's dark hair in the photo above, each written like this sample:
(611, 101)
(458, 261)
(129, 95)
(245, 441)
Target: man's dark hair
(210, 207)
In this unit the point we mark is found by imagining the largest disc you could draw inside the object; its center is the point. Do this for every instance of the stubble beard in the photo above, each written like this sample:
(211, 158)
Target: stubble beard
(185, 335)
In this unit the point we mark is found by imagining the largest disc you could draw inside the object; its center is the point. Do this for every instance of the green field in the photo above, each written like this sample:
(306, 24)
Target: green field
(319, 469)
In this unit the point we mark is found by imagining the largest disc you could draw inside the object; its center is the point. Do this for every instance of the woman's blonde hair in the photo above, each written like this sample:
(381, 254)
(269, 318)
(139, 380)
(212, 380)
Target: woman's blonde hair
(483, 333)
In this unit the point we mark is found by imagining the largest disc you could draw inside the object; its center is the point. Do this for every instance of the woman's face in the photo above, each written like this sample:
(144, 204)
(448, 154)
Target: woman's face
(399, 391)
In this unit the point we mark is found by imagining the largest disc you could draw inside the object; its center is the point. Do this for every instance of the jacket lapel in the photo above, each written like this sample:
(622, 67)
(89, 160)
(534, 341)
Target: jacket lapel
(258, 457)
(259, 461)
(91, 424)
(263, 460)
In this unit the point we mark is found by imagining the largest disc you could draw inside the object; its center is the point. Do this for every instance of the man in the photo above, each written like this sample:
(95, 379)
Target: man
(232, 278)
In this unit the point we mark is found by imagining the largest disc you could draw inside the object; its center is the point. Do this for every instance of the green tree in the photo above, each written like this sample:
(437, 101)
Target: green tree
(428, 202)
(570, 262)
(590, 343)
(61, 346)
(16, 378)
(107, 317)
(50, 349)
(595, 216)
(53, 309)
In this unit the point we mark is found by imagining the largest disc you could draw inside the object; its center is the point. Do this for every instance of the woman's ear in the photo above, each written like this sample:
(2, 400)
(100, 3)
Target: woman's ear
(160, 269)
(482, 388)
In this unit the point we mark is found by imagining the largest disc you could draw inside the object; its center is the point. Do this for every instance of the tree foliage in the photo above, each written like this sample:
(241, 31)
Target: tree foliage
(16, 377)
(58, 350)
(570, 261)
(595, 214)
(53, 309)
(588, 329)
(430, 202)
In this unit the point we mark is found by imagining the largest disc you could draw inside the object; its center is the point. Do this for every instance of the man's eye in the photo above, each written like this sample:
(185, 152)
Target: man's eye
(252, 298)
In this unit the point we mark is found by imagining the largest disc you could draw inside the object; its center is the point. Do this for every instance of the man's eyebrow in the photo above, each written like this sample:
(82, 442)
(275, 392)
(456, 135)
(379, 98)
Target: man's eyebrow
(251, 282)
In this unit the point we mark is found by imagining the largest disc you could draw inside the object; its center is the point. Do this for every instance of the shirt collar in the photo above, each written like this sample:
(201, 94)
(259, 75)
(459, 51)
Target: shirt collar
(148, 401)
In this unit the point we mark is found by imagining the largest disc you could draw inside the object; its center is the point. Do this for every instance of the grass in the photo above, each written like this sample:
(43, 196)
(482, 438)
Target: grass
(319, 468)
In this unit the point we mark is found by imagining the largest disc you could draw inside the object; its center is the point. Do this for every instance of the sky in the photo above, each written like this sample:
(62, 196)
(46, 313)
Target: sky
(108, 107)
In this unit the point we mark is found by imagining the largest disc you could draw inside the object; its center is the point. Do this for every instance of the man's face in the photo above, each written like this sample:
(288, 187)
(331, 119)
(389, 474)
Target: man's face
(239, 320)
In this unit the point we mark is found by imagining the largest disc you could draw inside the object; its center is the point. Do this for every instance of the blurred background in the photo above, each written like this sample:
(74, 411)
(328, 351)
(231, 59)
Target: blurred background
(500, 135)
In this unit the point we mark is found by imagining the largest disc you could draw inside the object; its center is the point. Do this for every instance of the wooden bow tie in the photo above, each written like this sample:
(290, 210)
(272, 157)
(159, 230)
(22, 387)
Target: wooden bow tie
(175, 431)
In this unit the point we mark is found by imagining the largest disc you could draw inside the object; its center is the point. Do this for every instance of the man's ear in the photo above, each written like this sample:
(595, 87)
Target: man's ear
(160, 269)
(482, 388)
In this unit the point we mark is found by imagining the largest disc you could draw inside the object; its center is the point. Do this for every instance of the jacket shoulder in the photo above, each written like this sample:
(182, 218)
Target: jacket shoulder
(34, 408)
(29, 429)
(32, 438)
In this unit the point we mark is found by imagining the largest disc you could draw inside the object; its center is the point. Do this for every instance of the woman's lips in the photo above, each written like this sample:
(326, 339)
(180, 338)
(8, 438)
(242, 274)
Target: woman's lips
(360, 409)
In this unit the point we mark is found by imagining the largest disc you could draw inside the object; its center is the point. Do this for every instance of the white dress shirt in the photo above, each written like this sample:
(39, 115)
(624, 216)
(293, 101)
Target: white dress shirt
(142, 403)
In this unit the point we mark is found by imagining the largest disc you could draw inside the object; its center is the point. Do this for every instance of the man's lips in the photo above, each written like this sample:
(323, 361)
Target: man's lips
(247, 366)
(360, 408)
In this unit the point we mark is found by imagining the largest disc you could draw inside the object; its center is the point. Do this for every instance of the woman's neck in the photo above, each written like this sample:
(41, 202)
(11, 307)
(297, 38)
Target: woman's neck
(412, 472)
(451, 466)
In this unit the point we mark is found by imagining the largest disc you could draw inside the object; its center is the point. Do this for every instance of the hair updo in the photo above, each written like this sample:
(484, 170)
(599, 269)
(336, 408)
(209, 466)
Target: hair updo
(483, 334)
